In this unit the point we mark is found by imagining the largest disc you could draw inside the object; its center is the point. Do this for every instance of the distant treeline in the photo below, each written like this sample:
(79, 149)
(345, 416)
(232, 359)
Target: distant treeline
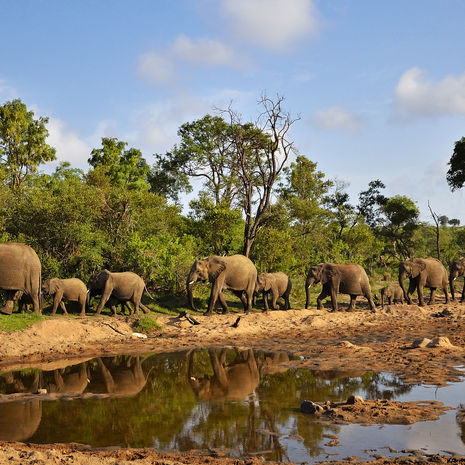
(123, 214)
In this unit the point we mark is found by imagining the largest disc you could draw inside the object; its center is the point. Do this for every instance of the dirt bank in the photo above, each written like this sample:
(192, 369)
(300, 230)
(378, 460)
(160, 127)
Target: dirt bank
(418, 344)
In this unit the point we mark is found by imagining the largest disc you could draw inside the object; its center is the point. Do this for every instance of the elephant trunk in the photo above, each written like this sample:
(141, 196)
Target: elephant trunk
(402, 276)
(452, 276)
(308, 284)
(190, 297)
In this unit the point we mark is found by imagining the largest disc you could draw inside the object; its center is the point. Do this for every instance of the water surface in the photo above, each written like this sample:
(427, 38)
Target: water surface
(241, 401)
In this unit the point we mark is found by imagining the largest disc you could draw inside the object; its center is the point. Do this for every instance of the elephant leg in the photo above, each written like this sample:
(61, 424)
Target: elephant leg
(131, 310)
(241, 296)
(217, 287)
(274, 300)
(421, 301)
(63, 307)
(144, 308)
(324, 293)
(56, 301)
(371, 302)
(108, 379)
(105, 296)
(333, 295)
(265, 301)
(351, 307)
(82, 301)
(223, 303)
(432, 295)
(463, 293)
(287, 304)
(446, 295)
(411, 289)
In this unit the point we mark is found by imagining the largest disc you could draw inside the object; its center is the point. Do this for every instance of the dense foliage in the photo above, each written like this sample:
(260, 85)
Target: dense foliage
(124, 215)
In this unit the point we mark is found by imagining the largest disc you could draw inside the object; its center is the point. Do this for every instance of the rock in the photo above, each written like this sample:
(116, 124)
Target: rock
(420, 343)
(307, 406)
(355, 400)
(139, 335)
(441, 342)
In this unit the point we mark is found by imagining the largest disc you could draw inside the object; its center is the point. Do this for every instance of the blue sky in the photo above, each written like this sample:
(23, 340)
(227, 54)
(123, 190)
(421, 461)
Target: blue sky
(379, 86)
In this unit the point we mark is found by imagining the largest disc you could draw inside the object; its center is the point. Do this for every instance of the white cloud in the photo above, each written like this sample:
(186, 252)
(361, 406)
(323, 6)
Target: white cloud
(159, 67)
(416, 95)
(157, 124)
(69, 146)
(206, 52)
(337, 117)
(273, 24)
(155, 67)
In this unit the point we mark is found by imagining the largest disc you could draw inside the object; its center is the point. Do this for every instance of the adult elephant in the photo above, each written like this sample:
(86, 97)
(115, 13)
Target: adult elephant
(20, 273)
(125, 286)
(456, 269)
(230, 381)
(422, 272)
(278, 285)
(347, 279)
(72, 289)
(236, 273)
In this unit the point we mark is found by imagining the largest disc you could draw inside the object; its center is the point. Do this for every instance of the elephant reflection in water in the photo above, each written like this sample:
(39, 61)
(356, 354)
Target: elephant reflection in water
(122, 379)
(19, 420)
(274, 362)
(74, 382)
(229, 382)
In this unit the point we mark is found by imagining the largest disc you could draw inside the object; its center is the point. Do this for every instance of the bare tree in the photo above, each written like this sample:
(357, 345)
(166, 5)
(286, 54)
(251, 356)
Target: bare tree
(262, 149)
(435, 217)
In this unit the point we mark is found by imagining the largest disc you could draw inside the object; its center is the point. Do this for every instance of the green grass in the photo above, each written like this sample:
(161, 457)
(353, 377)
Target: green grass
(146, 323)
(17, 322)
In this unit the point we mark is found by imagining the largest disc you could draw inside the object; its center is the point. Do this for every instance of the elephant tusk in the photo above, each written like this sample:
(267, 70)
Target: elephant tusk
(192, 282)
(193, 378)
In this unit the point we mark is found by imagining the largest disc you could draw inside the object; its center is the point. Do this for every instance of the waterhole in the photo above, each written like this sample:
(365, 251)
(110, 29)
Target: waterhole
(236, 402)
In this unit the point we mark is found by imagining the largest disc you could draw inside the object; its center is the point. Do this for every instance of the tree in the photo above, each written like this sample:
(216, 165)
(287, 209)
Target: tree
(456, 173)
(22, 142)
(124, 168)
(371, 202)
(261, 151)
(400, 224)
(204, 152)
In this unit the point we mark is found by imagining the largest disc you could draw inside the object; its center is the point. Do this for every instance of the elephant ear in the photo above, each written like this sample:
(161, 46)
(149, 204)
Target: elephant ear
(215, 267)
(267, 283)
(53, 285)
(417, 267)
(328, 272)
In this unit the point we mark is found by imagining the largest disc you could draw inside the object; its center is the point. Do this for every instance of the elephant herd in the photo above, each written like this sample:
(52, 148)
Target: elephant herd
(20, 278)
(238, 274)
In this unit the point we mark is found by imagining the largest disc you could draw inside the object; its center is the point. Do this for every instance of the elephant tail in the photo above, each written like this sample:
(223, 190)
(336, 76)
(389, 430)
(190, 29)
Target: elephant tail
(150, 295)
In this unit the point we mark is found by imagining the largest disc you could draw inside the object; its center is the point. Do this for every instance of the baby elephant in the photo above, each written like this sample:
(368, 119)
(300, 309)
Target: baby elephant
(392, 293)
(276, 284)
(72, 289)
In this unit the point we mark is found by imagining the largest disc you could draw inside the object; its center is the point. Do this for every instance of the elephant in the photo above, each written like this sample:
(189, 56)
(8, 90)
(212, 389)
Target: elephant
(392, 293)
(121, 380)
(347, 279)
(19, 420)
(72, 289)
(20, 270)
(234, 381)
(457, 268)
(74, 382)
(236, 273)
(422, 272)
(278, 284)
(125, 286)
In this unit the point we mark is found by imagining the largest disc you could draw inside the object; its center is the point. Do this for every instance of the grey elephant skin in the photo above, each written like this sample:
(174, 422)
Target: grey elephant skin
(20, 270)
(124, 287)
(423, 272)
(349, 279)
(233, 381)
(72, 289)
(236, 273)
(392, 293)
(456, 269)
(278, 285)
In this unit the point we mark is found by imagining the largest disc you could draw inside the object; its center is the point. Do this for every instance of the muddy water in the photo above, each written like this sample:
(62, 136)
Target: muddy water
(237, 402)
